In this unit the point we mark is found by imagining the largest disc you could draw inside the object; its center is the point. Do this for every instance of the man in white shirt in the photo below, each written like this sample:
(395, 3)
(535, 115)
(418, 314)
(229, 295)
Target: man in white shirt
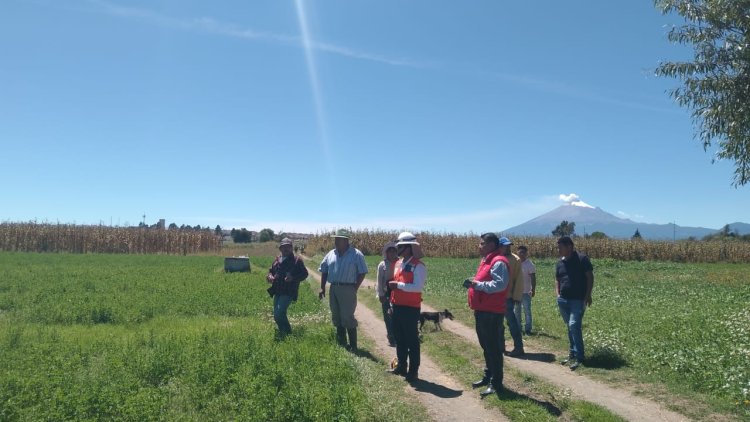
(528, 269)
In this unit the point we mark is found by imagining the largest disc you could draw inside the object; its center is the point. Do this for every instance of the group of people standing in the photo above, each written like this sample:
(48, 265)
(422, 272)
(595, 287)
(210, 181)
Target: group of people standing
(501, 289)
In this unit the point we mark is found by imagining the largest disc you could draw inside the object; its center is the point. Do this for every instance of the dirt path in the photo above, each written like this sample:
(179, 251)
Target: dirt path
(619, 401)
(444, 398)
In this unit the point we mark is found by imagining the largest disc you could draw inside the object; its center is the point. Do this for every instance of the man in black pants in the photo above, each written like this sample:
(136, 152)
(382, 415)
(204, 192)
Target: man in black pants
(487, 294)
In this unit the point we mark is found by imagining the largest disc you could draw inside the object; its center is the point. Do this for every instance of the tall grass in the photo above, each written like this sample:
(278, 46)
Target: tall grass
(43, 237)
(448, 245)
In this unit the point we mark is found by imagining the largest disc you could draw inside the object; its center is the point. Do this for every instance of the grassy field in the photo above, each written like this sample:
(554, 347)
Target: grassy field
(123, 337)
(139, 337)
(684, 326)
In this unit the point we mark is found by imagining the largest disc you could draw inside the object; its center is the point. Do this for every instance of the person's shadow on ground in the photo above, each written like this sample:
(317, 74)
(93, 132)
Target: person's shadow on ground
(543, 334)
(605, 359)
(539, 357)
(435, 389)
(506, 394)
(367, 355)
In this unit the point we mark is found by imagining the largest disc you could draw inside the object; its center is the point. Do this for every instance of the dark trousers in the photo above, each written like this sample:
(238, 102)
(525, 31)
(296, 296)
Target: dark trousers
(490, 333)
(387, 318)
(404, 325)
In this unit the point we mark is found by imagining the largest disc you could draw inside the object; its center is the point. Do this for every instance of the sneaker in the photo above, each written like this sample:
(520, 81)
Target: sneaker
(574, 363)
(412, 376)
(567, 360)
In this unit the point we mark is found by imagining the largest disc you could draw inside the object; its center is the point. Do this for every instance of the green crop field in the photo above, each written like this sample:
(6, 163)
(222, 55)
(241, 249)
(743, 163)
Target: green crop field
(124, 337)
(686, 326)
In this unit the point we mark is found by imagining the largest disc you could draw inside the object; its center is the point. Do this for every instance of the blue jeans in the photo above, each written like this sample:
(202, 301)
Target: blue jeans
(513, 326)
(572, 311)
(280, 305)
(526, 305)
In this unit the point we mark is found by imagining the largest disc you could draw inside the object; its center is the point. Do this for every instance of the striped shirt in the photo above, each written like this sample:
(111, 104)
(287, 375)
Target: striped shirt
(343, 269)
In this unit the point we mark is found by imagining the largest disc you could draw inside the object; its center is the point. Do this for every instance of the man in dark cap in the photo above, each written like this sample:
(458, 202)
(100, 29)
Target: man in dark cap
(285, 274)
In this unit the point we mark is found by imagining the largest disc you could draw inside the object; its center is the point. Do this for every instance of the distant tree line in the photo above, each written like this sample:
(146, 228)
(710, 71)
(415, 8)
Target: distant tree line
(245, 236)
(728, 234)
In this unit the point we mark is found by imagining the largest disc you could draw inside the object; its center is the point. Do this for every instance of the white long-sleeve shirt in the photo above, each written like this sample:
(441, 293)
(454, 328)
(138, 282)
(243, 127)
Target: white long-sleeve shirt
(420, 274)
(385, 275)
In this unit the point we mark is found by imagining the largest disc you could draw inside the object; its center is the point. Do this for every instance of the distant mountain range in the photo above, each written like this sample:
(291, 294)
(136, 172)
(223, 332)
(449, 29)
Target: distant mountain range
(590, 219)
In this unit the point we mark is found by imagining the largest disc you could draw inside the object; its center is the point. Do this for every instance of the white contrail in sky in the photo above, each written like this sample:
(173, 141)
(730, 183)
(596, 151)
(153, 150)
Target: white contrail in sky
(213, 26)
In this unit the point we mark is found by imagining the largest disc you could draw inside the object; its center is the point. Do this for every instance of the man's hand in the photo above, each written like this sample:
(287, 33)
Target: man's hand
(269, 278)
(322, 294)
(588, 300)
(533, 292)
(393, 284)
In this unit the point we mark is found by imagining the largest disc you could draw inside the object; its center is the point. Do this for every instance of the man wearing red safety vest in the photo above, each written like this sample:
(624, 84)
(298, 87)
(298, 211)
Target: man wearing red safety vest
(406, 300)
(487, 295)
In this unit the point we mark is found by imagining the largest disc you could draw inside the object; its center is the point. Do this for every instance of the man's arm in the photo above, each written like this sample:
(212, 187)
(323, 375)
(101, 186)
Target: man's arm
(323, 279)
(361, 268)
(589, 287)
(420, 274)
(271, 272)
(500, 279)
(301, 270)
(360, 279)
(517, 282)
(533, 284)
(380, 287)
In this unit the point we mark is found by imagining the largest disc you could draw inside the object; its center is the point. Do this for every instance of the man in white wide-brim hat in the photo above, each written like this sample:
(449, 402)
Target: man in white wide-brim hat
(344, 268)
(406, 300)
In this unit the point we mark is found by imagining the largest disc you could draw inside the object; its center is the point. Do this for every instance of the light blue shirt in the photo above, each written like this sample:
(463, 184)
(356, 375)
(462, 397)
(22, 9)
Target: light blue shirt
(499, 281)
(343, 269)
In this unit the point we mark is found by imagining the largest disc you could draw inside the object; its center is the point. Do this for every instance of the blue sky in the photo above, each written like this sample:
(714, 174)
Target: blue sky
(312, 115)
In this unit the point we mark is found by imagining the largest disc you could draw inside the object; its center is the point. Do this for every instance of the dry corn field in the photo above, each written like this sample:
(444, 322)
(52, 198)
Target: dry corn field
(36, 237)
(467, 246)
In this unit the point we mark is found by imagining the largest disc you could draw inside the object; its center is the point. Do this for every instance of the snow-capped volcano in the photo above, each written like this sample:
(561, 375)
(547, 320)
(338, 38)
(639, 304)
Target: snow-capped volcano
(589, 219)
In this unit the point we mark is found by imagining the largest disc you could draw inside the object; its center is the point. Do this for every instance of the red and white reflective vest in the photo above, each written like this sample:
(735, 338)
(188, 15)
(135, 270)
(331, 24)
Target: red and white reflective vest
(400, 297)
